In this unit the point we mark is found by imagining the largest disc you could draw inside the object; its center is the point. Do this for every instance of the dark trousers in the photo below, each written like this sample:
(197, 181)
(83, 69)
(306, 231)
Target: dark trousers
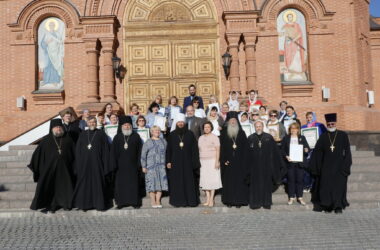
(295, 181)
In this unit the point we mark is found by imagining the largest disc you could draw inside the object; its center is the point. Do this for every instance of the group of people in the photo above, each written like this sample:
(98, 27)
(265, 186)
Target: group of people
(238, 148)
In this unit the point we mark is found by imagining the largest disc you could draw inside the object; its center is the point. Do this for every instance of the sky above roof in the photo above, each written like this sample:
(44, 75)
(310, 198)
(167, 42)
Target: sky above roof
(374, 8)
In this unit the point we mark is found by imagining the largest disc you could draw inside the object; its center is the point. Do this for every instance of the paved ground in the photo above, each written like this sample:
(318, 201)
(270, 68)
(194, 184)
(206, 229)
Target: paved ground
(190, 228)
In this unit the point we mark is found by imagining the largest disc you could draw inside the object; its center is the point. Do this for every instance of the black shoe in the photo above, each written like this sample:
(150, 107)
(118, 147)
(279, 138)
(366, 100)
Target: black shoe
(338, 211)
(238, 206)
(136, 207)
(229, 206)
(52, 211)
(266, 207)
(119, 207)
(45, 211)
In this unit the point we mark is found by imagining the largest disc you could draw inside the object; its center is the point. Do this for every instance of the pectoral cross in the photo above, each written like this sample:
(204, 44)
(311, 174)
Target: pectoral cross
(59, 151)
(259, 144)
(332, 147)
(89, 146)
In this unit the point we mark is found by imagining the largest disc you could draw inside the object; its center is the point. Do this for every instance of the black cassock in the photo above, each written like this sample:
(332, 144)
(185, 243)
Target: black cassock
(264, 166)
(73, 130)
(91, 169)
(332, 169)
(235, 188)
(125, 164)
(53, 173)
(184, 174)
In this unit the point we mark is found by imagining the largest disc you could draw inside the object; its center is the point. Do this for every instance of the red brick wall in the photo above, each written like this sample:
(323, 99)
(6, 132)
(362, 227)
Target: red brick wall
(345, 59)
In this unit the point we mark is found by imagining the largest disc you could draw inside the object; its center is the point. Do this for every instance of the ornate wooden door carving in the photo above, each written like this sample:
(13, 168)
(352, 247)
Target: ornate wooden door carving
(168, 46)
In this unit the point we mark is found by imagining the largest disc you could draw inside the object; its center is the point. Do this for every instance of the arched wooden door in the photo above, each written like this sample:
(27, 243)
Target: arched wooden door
(169, 45)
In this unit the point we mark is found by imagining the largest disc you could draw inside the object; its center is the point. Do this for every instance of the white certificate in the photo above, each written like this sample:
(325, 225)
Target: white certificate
(311, 135)
(144, 134)
(160, 121)
(161, 111)
(296, 153)
(274, 130)
(287, 124)
(174, 111)
(111, 131)
(211, 105)
(254, 108)
(247, 128)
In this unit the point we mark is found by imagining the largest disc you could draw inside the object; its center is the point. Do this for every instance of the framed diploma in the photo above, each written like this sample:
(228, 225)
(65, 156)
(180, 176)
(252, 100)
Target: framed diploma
(247, 128)
(174, 111)
(111, 130)
(160, 121)
(254, 107)
(144, 134)
(287, 124)
(311, 135)
(296, 153)
(274, 130)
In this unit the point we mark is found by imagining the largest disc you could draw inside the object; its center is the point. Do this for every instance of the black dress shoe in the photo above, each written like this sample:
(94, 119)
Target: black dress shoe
(338, 211)
(229, 206)
(266, 207)
(136, 207)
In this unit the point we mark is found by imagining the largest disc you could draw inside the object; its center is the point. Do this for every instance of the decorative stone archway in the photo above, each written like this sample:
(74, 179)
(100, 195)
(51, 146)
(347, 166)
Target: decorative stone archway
(169, 45)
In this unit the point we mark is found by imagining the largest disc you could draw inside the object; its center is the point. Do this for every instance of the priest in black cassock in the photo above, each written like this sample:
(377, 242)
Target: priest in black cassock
(125, 164)
(92, 169)
(52, 167)
(182, 158)
(264, 164)
(233, 143)
(331, 164)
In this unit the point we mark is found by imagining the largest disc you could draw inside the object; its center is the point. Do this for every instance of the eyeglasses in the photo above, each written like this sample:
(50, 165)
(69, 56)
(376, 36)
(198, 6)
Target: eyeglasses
(273, 115)
(255, 114)
(141, 120)
(329, 124)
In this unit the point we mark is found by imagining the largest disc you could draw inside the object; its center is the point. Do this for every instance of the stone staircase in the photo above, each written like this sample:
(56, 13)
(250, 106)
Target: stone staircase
(17, 187)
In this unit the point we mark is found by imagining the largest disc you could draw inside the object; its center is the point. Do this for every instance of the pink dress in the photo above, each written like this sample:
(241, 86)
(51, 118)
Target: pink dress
(209, 176)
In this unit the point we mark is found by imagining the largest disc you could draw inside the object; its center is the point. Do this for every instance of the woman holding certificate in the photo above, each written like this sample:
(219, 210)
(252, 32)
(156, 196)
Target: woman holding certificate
(172, 110)
(295, 149)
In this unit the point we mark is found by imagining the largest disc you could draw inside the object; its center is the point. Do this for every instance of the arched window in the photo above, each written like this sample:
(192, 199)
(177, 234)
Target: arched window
(51, 52)
(292, 42)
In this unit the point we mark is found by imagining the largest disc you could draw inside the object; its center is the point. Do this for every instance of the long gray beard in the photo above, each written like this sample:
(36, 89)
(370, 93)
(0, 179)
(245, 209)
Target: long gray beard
(331, 129)
(92, 128)
(58, 134)
(126, 132)
(232, 131)
(259, 132)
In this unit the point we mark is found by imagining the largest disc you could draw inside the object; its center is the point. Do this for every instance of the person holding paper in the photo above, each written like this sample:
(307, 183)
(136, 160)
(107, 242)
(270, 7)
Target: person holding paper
(295, 150)
(172, 110)
(213, 103)
(311, 122)
(331, 164)
(216, 120)
(199, 112)
(252, 99)
(275, 127)
(153, 112)
(233, 102)
(225, 110)
(264, 167)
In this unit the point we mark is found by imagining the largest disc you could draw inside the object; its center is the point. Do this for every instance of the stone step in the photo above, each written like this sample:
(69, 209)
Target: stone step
(15, 171)
(22, 147)
(23, 157)
(11, 204)
(11, 195)
(15, 179)
(366, 161)
(15, 164)
(366, 168)
(363, 154)
(20, 186)
(364, 177)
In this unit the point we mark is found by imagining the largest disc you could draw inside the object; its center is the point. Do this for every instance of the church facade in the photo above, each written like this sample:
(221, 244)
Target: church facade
(59, 53)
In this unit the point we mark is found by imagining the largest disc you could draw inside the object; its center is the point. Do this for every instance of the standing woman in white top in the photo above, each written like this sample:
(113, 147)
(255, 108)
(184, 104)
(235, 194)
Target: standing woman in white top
(216, 120)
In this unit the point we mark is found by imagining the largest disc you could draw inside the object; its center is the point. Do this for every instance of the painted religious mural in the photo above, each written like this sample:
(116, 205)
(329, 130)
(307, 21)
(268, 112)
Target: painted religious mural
(293, 49)
(51, 37)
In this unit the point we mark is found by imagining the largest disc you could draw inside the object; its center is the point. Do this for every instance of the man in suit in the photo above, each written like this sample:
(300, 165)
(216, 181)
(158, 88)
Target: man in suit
(188, 99)
(194, 123)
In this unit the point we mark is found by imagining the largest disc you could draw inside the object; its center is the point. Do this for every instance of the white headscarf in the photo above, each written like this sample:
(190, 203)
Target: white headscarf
(179, 118)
